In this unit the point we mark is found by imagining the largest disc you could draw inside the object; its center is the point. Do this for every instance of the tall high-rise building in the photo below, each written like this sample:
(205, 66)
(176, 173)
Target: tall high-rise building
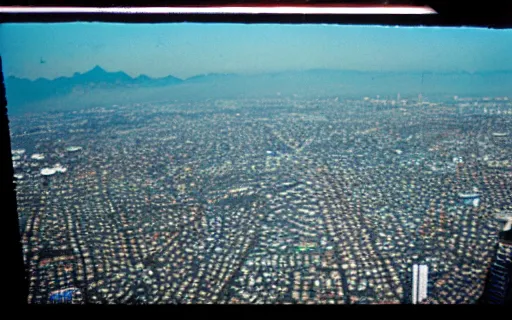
(498, 284)
(419, 283)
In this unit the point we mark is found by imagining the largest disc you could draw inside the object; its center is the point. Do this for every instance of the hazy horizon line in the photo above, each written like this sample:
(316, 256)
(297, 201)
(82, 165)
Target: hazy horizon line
(264, 73)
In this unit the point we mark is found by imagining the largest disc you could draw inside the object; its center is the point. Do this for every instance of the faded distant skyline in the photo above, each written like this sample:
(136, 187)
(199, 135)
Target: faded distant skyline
(187, 49)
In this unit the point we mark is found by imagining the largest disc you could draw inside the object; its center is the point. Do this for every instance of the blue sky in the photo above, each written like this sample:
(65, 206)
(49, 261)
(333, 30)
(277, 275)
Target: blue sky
(188, 49)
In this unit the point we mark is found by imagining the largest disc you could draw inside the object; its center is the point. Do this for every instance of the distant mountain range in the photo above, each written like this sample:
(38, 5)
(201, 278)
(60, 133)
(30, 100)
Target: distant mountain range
(98, 86)
(22, 91)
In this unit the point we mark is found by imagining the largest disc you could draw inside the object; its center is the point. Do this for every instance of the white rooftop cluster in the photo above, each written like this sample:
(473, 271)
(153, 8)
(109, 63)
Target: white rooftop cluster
(50, 171)
(18, 152)
(60, 168)
(37, 156)
(18, 176)
(73, 148)
(457, 160)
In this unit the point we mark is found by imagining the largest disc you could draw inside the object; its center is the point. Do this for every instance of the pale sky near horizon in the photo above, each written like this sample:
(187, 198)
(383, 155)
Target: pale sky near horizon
(188, 49)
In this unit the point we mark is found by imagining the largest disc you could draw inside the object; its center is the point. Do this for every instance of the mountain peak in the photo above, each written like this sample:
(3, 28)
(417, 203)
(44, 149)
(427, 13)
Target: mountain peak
(98, 69)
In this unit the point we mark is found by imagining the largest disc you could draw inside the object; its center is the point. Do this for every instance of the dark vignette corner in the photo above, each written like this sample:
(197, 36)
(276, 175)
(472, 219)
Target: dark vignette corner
(16, 276)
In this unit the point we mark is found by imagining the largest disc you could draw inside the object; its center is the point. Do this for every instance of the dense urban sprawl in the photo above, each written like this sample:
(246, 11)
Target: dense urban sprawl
(263, 201)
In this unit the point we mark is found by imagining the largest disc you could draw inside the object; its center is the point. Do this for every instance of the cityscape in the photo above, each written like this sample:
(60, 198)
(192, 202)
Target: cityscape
(276, 200)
